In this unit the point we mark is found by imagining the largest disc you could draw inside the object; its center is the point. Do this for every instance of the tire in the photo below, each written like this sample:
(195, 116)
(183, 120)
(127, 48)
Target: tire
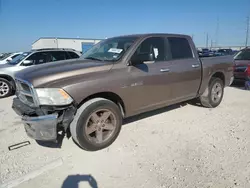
(207, 99)
(6, 88)
(79, 125)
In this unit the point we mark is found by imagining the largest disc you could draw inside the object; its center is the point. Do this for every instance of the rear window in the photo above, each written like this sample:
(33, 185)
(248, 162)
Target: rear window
(243, 55)
(180, 48)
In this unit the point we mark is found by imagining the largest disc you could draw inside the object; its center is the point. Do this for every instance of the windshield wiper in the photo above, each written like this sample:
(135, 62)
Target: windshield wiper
(93, 58)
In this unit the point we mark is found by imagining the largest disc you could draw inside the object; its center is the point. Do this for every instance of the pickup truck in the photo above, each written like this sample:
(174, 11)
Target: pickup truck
(117, 78)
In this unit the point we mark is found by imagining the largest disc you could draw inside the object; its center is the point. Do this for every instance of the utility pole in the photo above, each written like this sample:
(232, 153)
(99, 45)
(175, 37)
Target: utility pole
(217, 32)
(247, 31)
(207, 41)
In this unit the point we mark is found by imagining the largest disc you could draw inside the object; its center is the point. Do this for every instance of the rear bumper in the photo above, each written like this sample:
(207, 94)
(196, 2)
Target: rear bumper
(44, 126)
(241, 77)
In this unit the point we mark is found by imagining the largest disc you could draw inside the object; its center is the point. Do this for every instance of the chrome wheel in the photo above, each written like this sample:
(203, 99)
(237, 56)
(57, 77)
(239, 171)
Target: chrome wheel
(4, 89)
(100, 126)
(216, 93)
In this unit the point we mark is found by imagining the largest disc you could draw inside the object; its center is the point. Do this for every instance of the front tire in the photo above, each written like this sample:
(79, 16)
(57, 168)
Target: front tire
(5, 88)
(213, 94)
(96, 124)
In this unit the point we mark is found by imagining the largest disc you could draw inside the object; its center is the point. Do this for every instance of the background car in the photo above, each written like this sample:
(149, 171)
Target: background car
(242, 65)
(7, 57)
(27, 59)
(225, 51)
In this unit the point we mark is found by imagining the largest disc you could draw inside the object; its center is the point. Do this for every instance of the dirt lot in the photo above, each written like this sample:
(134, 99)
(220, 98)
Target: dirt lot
(179, 146)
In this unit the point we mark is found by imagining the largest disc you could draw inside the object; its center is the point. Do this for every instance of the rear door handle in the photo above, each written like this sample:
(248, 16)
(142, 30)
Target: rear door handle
(195, 65)
(165, 70)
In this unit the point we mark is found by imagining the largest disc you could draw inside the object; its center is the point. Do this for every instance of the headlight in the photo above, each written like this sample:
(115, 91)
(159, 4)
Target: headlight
(53, 96)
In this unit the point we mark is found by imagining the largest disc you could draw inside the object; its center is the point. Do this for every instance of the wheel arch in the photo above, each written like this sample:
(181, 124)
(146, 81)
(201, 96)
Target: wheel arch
(218, 74)
(10, 79)
(109, 96)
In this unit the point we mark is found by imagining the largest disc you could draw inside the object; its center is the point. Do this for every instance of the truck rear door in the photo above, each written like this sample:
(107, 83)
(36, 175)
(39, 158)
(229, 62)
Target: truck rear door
(184, 69)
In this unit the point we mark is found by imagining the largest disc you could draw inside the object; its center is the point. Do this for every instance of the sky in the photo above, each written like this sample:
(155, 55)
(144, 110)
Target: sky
(24, 21)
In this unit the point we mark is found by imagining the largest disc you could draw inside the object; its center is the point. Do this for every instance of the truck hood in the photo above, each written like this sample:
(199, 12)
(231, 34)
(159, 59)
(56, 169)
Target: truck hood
(61, 72)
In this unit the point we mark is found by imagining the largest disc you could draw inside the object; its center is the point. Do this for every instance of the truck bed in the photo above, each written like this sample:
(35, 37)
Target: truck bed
(223, 64)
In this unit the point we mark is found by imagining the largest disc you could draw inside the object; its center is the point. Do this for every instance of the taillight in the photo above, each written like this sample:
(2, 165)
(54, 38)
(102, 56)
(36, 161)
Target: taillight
(248, 70)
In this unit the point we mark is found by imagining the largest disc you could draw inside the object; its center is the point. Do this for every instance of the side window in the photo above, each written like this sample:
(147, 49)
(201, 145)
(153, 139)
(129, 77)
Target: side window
(73, 55)
(180, 48)
(40, 58)
(58, 55)
(153, 47)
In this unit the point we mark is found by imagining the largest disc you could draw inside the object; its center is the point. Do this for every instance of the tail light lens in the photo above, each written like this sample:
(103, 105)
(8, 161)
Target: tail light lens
(248, 70)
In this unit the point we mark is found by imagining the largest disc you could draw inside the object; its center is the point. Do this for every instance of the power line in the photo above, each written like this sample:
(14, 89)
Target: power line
(247, 31)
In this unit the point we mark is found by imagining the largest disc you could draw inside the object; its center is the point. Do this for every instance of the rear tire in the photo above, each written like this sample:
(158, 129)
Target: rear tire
(6, 88)
(96, 124)
(213, 94)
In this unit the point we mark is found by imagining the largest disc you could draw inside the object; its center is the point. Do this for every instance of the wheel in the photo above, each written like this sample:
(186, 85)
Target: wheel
(96, 124)
(213, 94)
(5, 88)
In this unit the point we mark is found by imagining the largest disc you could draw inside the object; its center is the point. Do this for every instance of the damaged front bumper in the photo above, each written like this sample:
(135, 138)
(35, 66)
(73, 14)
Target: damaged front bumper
(44, 123)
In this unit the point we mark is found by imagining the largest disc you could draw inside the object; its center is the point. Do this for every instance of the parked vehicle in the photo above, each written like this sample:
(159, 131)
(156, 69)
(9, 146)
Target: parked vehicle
(27, 59)
(242, 65)
(205, 52)
(235, 52)
(225, 51)
(7, 57)
(117, 78)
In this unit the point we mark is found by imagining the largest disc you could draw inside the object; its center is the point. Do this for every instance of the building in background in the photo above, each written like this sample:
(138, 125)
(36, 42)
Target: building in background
(78, 44)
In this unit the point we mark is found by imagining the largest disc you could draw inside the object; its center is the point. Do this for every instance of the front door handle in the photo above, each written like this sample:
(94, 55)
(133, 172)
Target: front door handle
(195, 65)
(165, 70)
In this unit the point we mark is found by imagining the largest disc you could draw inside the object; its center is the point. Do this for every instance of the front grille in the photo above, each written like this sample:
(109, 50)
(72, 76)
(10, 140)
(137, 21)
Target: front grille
(25, 92)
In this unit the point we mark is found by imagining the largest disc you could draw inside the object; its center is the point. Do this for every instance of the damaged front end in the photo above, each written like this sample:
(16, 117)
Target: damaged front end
(41, 122)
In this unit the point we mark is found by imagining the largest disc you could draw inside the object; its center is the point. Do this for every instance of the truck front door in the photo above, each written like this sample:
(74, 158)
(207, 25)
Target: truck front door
(148, 82)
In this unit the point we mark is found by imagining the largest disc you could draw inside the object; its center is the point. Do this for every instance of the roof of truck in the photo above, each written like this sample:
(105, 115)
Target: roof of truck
(153, 34)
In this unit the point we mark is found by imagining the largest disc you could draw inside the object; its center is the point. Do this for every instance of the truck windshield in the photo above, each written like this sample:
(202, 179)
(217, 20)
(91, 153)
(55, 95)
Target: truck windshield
(243, 55)
(19, 58)
(110, 49)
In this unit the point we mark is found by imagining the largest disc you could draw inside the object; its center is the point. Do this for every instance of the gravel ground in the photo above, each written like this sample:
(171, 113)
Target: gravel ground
(180, 146)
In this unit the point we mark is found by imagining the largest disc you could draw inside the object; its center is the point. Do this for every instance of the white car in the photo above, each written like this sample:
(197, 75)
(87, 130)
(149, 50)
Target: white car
(7, 57)
(27, 59)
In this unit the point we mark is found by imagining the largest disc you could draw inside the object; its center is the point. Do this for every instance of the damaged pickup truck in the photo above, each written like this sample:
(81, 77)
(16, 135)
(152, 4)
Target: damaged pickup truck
(117, 78)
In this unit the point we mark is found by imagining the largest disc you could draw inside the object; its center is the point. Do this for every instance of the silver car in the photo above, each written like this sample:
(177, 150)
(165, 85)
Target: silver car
(27, 59)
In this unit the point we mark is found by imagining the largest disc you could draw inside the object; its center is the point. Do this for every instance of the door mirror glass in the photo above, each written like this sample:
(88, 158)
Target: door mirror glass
(141, 58)
(27, 62)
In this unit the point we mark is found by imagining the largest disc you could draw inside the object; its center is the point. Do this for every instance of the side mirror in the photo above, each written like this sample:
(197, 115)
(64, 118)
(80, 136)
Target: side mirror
(141, 58)
(9, 59)
(27, 62)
